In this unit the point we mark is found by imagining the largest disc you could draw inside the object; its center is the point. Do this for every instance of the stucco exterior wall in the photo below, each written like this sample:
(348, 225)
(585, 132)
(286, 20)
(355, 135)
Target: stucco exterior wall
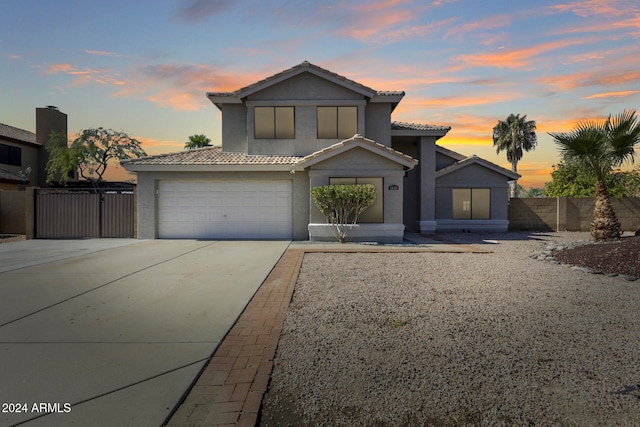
(361, 163)
(472, 176)
(148, 184)
(234, 128)
(304, 92)
(377, 119)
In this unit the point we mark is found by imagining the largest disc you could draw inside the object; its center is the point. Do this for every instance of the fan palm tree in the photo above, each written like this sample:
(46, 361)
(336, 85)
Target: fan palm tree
(515, 136)
(599, 146)
(197, 141)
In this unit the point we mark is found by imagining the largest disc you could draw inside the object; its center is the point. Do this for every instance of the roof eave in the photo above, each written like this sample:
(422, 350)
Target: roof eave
(209, 168)
(439, 133)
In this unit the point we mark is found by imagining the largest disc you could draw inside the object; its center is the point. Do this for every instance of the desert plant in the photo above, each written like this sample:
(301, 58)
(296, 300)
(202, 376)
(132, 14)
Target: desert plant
(598, 147)
(343, 204)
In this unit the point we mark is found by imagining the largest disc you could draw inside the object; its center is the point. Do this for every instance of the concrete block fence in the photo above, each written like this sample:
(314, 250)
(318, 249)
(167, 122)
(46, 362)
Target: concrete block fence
(568, 213)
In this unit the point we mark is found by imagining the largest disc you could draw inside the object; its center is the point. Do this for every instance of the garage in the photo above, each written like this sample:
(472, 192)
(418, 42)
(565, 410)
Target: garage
(225, 209)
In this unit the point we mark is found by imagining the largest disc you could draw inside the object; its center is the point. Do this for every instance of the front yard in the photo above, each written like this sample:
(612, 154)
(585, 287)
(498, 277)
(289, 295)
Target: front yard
(457, 339)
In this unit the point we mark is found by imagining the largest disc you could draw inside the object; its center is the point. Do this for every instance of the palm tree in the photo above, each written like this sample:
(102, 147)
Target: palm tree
(514, 135)
(197, 141)
(599, 146)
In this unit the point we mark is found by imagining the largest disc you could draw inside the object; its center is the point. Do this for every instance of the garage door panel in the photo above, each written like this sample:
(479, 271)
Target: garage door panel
(225, 209)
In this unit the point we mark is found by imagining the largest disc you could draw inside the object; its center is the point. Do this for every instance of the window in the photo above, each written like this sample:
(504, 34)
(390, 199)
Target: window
(337, 122)
(274, 123)
(471, 203)
(375, 212)
(10, 155)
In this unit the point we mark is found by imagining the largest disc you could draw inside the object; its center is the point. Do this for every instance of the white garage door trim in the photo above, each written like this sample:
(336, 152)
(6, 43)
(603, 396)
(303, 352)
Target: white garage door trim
(225, 209)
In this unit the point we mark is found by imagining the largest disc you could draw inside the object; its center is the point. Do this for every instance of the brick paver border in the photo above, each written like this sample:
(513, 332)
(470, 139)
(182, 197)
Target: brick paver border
(229, 390)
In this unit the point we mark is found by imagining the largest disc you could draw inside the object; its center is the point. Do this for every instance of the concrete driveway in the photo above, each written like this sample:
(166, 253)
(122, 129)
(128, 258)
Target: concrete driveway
(114, 331)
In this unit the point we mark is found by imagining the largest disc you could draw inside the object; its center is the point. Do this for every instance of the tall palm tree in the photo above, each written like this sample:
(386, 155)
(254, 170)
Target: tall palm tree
(197, 141)
(599, 146)
(515, 135)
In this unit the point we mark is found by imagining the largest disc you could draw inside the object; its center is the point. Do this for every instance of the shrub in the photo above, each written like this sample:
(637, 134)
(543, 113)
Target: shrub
(343, 204)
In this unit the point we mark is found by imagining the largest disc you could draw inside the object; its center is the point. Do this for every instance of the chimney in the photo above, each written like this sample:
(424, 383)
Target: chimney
(48, 119)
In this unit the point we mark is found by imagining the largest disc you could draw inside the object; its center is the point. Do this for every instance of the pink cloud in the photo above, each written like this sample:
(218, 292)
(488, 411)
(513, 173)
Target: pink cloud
(515, 58)
(619, 94)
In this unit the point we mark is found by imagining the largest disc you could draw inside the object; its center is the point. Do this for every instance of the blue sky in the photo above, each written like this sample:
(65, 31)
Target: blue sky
(143, 66)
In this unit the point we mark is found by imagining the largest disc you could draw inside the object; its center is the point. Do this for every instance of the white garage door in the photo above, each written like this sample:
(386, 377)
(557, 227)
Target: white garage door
(225, 210)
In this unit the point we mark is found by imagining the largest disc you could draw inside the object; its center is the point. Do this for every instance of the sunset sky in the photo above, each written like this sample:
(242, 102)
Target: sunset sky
(143, 66)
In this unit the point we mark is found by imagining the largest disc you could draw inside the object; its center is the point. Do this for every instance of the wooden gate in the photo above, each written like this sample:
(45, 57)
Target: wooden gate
(78, 213)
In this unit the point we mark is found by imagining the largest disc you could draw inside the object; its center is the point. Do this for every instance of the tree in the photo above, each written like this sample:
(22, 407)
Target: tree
(514, 135)
(343, 204)
(89, 153)
(599, 146)
(569, 179)
(197, 141)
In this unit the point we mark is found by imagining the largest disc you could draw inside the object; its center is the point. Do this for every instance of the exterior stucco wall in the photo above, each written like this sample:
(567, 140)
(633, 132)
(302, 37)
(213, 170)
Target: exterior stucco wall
(377, 123)
(148, 184)
(304, 92)
(234, 128)
(472, 176)
(443, 161)
(361, 163)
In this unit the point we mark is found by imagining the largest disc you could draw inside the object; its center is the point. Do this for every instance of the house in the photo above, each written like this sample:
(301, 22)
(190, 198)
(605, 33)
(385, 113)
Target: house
(306, 127)
(23, 157)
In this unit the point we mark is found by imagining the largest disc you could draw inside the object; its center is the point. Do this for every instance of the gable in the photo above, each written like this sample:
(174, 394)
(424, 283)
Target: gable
(472, 175)
(305, 86)
(357, 159)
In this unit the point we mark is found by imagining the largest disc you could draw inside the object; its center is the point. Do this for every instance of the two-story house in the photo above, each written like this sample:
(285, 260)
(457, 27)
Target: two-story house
(23, 157)
(306, 127)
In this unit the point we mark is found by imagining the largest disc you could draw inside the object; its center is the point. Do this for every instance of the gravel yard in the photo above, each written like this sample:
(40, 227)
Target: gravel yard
(445, 339)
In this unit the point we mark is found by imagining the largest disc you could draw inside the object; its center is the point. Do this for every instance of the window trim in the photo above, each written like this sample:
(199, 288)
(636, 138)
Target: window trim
(275, 121)
(12, 153)
(337, 108)
(470, 208)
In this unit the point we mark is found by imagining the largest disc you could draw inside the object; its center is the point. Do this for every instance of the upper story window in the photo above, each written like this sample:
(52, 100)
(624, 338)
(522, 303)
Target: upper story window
(274, 123)
(10, 155)
(337, 122)
(471, 203)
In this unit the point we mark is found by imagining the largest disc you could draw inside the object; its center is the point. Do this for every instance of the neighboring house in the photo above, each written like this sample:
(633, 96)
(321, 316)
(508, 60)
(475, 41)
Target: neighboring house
(306, 127)
(21, 150)
(18, 152)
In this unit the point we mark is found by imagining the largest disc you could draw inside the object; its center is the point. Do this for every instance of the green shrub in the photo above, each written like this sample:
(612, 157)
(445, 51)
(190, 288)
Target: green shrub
(343, 204)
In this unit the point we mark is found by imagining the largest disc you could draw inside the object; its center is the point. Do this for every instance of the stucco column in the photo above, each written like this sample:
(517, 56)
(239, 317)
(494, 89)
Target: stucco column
(427, 184)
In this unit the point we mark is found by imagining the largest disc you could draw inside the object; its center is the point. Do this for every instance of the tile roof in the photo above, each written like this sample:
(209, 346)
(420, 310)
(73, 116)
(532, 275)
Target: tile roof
(417, 126)
(14, 133)
(211, 156)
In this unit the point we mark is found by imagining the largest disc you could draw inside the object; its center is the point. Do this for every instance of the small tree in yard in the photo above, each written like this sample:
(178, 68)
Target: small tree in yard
(89, 153)
(343, 204)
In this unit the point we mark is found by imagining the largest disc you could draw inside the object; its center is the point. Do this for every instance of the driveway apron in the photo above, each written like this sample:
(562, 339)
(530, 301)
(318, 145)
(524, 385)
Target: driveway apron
(116, 335)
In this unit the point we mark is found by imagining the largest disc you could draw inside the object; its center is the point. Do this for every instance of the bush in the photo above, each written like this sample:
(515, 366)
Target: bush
(343, 204)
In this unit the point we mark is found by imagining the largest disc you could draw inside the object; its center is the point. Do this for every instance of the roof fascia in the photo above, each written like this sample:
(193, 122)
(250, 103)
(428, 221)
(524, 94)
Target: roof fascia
(208, 168)
(432, 132)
